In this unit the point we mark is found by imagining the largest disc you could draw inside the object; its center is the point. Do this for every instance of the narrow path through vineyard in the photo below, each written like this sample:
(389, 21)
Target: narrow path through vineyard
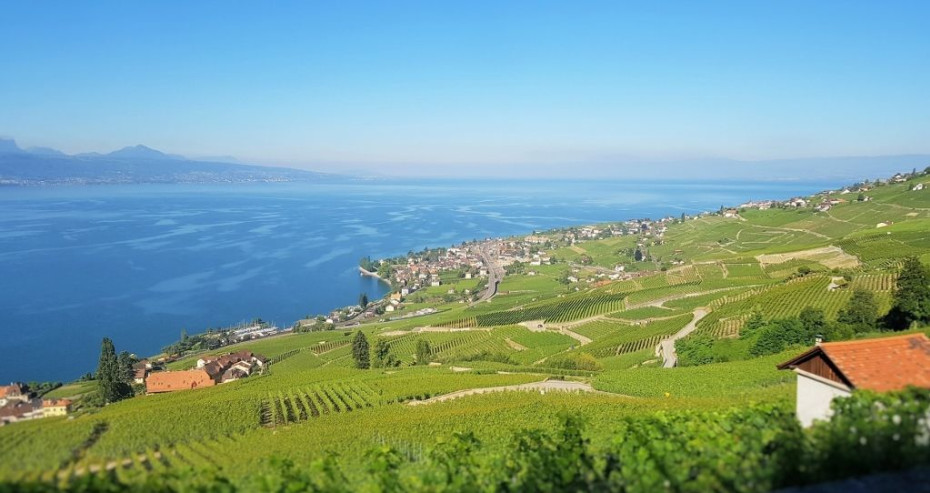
(544, 386)
(667, 347)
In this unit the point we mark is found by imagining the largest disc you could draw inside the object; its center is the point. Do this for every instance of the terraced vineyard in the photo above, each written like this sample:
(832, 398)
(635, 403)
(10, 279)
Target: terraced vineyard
(295, 405)
(875, 282)
(726, 328)
(600, 329)
(684, 275)
(632, 338)
(790, 299)
(574, 307)
(646, 313)
(700, 381)
(449, 346)
(752, 271)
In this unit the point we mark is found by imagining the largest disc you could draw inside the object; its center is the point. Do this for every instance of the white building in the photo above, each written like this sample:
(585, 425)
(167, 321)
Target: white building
(835, 369)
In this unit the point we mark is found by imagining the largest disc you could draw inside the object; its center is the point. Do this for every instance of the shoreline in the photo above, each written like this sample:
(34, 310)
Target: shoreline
(363, 272)
(368, 273)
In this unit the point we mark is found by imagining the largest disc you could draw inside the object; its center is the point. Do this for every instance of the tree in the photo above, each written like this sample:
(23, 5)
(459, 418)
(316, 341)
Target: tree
(363, 300)
(695, 350)
(125, 361)
(639, 255)
(424, 352)
(382, 357)
(756, 321)
(912, 296)
(360, 351)
(813, 321)
(861, 313)
(778, 335)
(109, 383)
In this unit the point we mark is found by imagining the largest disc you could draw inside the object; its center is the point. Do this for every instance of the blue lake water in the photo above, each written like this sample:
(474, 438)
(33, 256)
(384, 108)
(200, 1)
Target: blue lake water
(140, 263)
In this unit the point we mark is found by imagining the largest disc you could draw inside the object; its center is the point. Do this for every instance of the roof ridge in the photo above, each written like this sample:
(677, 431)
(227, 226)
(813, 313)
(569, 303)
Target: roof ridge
(874, 339)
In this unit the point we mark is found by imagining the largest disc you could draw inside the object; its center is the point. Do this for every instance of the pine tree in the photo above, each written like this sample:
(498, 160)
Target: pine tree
(360, 351)
(125, 362)
(912, 295)
(109, 383)
(363, 300)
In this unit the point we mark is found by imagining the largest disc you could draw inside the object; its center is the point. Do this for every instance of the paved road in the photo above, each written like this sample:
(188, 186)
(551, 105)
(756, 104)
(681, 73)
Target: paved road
(667, 347)
(549, 385)
(489, 256)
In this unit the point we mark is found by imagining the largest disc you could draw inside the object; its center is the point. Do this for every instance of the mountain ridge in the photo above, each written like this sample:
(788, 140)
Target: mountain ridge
(134, 164)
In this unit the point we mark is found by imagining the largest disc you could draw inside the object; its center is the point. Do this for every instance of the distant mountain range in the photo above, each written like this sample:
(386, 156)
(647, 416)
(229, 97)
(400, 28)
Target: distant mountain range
(134, 164)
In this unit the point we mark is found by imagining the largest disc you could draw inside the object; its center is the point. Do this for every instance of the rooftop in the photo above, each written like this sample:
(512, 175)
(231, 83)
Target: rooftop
(885, 364)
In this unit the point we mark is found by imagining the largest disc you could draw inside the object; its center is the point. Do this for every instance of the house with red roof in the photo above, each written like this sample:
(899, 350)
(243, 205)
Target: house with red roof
(14, 392)
(56, 407)
(835, 369)
(172, 381)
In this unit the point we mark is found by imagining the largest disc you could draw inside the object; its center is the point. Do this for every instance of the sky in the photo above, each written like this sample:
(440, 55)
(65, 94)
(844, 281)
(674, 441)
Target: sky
(477, 88)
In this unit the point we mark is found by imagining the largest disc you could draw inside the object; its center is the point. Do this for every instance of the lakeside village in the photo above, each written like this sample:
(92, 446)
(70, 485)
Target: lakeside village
(467, 273)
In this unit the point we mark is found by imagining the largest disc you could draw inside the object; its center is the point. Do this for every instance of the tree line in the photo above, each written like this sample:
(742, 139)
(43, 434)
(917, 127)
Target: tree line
(381, 356)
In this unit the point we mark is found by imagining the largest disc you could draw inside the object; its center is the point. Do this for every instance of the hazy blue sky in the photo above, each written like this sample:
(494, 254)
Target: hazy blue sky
(402, 87)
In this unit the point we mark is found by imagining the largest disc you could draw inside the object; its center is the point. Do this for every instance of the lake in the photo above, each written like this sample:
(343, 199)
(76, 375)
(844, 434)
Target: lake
(140, 263)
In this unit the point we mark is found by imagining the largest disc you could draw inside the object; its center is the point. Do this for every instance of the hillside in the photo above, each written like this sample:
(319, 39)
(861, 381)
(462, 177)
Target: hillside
(136, 164)
(721, 420)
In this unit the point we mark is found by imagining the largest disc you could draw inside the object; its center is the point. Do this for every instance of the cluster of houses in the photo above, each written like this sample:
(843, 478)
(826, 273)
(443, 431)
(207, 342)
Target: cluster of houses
(251, 332)
(424, 270)
(633, 227)
(210, 371)
(17, 403)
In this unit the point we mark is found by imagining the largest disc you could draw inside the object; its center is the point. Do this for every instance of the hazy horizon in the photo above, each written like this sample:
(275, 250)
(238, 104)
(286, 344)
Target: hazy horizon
(482, 90)
(839, 169)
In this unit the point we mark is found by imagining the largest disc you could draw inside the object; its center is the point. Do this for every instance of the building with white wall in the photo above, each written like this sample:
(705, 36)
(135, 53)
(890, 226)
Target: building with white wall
(835, 369)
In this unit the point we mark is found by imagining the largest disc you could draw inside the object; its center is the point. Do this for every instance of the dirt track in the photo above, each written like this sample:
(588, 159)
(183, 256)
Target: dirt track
(547, 386)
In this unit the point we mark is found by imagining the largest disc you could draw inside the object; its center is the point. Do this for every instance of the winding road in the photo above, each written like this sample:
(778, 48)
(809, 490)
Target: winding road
(666, 348)
(495, 271)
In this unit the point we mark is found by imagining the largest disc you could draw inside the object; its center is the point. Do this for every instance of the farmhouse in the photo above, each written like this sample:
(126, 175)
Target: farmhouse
(20, 410)
(55, 407)
(210, 371)
(835, 369)
(14, 392)
(230, 359)
(172, 381)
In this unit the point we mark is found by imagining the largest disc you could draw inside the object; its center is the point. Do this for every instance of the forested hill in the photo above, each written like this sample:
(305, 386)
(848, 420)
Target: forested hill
(137, 164)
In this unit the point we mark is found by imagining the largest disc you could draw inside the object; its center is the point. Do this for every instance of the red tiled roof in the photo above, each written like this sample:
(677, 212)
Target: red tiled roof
(170, 381)
(886, 364)
(56, 403)
(14, 390)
